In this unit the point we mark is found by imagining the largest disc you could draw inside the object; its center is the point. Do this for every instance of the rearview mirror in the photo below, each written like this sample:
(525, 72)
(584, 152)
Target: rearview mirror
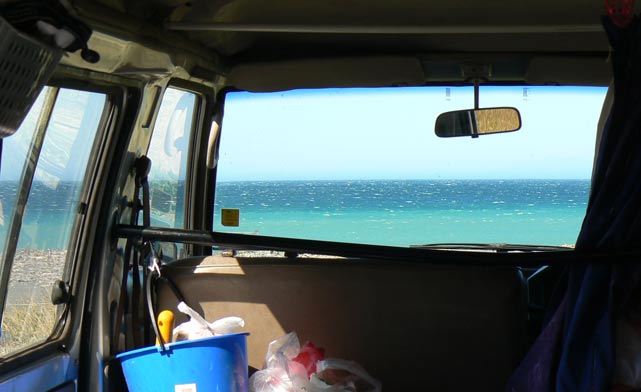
(475, 122)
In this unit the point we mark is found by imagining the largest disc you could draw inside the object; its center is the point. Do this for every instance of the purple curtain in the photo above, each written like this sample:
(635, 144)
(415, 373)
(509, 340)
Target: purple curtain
(575, 351)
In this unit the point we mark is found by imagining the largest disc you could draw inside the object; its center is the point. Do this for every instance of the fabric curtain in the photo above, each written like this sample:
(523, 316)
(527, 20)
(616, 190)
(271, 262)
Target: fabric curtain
(576, 349)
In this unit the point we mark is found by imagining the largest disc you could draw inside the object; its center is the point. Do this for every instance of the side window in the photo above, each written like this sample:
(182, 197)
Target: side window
(35, 235)
(168, 153)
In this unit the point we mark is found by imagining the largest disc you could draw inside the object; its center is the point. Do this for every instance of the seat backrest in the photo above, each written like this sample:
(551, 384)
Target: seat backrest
(438, 327)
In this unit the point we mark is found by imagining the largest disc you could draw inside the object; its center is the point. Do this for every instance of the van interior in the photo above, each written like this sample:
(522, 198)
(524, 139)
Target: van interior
(442, 192)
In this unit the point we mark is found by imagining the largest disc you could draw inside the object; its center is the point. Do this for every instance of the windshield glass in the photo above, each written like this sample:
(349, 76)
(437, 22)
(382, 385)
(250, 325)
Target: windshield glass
(365, 166)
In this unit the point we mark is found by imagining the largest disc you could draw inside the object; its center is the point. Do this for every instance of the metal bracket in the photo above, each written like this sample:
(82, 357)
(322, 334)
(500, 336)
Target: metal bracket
(476, 72)
(154, 260)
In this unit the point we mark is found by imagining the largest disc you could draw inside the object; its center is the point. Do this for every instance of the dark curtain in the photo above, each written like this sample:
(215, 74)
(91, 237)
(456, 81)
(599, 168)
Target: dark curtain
(575, 351)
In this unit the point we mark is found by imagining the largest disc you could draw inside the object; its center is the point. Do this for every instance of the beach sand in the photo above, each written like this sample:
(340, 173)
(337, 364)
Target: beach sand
(29, 315)
(33, 274)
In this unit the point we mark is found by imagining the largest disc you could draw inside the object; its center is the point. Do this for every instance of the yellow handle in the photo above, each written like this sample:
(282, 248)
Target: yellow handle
(165, 325)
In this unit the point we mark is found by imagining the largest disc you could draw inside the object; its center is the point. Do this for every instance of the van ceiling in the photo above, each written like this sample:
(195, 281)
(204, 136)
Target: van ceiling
(507, 35)
(241, 28)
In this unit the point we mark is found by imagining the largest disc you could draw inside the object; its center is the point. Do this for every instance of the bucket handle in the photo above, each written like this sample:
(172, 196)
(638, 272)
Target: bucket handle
(152, 276)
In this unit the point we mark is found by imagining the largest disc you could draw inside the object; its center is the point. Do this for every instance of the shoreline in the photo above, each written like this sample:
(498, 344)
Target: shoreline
(33, 273)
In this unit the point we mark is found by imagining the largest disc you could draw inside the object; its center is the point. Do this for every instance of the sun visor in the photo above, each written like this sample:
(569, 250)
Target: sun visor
(326, 73)
(25, 66)
(561, 70)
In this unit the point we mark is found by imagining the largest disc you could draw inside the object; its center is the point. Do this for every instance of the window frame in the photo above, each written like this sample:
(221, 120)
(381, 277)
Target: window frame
(337, 248)
(213, 173)
(191, 131)
(62, 335)
(196, 179)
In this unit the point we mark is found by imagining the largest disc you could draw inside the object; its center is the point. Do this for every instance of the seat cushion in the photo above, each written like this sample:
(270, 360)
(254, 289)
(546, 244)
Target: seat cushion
(408, 324)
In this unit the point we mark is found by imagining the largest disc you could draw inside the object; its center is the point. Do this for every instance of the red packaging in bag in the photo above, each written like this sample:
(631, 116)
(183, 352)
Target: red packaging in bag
(308, 356)
(620, 11)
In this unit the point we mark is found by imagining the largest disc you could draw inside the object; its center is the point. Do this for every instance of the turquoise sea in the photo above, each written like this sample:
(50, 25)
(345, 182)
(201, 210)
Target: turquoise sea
(403, 213)
(398, 212)
(48, 217)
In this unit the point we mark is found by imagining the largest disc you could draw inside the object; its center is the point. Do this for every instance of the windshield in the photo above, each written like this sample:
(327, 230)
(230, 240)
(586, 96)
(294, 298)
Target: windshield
(365, 166)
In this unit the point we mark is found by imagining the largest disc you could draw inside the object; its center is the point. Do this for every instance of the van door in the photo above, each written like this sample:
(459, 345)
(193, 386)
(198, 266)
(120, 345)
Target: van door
(43, 197)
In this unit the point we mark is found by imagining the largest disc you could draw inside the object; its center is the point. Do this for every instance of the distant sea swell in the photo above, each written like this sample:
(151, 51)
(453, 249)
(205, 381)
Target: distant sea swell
(395, 212)
(406, 212)
(49, 213)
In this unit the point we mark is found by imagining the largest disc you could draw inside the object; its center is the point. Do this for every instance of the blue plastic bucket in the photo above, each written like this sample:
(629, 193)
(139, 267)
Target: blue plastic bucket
(211, 364)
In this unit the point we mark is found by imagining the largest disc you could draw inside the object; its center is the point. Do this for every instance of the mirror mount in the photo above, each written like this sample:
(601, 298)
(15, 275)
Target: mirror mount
(476, 74)
(475, 129)
(476, 93)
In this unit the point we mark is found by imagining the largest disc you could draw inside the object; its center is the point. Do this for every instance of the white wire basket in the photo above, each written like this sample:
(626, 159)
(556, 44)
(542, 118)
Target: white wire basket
(25, 66)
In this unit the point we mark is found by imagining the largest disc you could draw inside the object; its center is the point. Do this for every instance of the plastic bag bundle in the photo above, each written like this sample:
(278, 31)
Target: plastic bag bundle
(292, 368)
(271, 380)
(197, 327)
(281, 373)
(339, 375)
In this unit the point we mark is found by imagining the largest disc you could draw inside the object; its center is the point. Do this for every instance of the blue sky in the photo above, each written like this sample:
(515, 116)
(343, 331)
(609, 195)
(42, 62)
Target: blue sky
(383, 133)
(389, 134)
(68, 139)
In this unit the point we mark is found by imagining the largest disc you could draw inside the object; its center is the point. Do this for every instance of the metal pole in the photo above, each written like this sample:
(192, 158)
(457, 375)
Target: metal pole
(380, 29)
(396, 254)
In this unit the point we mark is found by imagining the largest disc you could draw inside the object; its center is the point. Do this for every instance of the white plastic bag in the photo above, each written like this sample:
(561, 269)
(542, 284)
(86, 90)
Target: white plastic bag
(339, 375)
(281, 374)
(197, 327)
(271, 380)
(287, 347)
(284, 374)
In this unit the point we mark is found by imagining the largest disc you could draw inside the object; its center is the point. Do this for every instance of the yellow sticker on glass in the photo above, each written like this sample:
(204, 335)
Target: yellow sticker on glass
(230, 217)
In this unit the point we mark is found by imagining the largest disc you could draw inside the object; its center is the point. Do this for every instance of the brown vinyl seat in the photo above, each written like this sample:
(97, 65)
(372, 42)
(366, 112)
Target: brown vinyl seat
(412, 326)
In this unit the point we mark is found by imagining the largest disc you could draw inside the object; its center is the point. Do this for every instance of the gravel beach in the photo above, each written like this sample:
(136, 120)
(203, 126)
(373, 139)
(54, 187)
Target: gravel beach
(33, 274)
(29, 315)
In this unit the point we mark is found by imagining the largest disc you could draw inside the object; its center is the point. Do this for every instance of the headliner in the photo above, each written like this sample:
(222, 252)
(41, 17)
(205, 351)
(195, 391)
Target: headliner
(365, 26)
(507, 34)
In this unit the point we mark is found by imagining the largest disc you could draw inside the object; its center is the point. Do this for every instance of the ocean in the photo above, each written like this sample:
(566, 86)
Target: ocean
(410, 212)
(49, 215)
(395, 213)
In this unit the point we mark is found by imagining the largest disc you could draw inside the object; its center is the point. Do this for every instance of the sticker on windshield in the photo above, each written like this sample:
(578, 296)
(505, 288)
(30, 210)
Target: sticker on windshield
(230, 217)
(185, 388)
